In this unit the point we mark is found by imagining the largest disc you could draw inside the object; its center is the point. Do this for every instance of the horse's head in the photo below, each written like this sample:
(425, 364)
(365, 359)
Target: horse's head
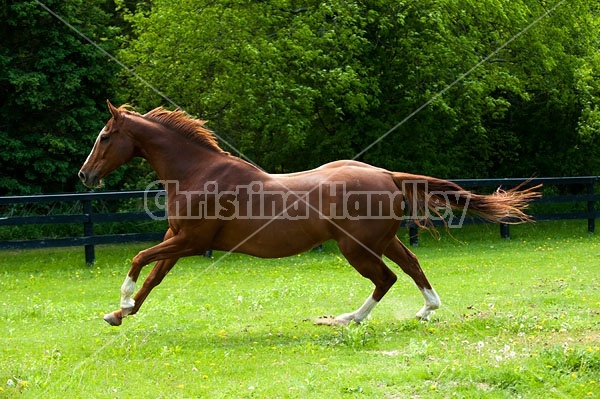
(113, 147)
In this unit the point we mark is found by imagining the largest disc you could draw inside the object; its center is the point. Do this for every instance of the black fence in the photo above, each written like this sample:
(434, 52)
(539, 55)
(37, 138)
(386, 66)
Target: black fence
(87, 219)
(568, 190)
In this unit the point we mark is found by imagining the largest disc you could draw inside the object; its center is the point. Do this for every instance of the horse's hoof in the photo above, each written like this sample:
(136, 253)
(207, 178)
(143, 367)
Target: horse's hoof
(113, 320)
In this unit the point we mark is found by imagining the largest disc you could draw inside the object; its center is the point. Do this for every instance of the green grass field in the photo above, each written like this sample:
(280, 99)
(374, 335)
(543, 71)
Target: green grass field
(520, 319)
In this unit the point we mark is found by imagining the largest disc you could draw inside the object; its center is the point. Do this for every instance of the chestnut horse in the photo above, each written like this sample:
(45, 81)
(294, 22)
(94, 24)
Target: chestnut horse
(219, 201)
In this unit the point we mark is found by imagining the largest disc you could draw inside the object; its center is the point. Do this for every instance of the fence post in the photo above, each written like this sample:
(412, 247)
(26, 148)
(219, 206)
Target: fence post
(88, 231)
(591, 208)
(413, 234)
(505, 231)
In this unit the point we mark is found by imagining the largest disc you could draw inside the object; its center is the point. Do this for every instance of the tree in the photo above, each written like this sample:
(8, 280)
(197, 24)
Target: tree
(270, 78)
(510, 116)
(293, 85)
(53, 87)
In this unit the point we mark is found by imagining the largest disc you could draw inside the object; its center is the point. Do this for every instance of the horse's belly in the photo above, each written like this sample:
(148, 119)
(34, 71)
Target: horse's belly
(270, 238)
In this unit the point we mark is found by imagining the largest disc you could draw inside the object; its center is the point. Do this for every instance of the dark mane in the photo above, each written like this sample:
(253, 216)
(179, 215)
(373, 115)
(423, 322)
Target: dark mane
(184, 124)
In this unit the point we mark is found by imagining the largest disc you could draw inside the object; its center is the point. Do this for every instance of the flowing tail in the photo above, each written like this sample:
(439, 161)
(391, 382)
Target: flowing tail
(429, 197)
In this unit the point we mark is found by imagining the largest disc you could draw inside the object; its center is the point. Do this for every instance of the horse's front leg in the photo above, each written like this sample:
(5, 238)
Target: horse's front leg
(166, 253)
(129, 305)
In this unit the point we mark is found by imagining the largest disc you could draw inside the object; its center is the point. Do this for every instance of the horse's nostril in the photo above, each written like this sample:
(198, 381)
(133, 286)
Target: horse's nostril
(82, 176)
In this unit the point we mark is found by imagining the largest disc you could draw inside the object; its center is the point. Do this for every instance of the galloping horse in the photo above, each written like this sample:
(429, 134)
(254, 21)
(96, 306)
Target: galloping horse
(219, 201)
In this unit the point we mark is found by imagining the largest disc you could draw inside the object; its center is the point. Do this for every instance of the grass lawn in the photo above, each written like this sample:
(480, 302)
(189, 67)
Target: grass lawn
(520, 318)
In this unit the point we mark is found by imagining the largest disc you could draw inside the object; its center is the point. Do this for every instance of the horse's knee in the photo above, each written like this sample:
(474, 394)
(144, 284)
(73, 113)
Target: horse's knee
(137, 261)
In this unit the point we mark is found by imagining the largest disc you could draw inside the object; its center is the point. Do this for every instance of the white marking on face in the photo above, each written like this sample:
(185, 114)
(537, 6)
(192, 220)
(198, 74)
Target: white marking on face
(94, 147)
(127, 289)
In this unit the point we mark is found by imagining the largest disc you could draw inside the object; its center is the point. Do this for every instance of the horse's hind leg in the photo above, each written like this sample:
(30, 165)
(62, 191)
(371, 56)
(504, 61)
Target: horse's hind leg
(402, 256)
(371, 266)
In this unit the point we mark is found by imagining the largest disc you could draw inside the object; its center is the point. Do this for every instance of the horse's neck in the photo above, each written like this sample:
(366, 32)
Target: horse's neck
(177, 158)
(170, 155)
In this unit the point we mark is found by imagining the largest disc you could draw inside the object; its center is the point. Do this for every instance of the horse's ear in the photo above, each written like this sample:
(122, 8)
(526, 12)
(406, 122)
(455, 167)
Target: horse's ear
(113, 110)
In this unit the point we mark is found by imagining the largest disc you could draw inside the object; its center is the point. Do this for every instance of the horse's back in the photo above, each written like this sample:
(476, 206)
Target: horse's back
(354, 175)
(297, 211)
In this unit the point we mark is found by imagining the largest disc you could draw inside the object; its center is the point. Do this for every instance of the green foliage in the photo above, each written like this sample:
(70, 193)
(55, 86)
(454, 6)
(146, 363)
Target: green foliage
(51, 84)
(294, 87)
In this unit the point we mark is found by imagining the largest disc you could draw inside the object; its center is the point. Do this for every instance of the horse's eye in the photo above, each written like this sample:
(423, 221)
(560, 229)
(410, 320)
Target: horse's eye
(104, 137)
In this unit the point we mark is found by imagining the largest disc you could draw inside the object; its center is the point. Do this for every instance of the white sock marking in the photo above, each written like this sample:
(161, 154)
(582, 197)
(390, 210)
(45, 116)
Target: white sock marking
(365, 309)
(432, 302)
(127, 289)
(360, 314)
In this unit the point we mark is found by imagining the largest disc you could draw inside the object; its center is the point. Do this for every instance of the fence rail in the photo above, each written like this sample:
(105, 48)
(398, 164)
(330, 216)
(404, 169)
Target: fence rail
(87, 218)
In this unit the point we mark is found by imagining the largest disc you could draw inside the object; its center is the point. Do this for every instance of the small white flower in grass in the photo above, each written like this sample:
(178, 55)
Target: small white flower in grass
(480, 345)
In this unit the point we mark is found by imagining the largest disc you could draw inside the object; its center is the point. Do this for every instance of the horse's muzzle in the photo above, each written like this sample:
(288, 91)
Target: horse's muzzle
(88, 180)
